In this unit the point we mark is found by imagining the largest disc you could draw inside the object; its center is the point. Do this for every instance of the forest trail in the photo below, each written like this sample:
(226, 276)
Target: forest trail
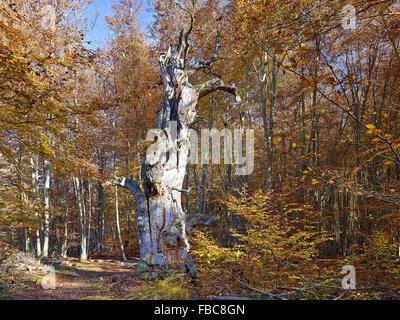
(92, 280)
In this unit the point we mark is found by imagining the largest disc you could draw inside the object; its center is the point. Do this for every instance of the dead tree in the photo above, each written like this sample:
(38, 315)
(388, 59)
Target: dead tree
(159, 215)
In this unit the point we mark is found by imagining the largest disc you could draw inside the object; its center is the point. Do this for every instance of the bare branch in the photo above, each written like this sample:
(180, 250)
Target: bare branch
(216, 84)
(198, 219)
(183, 42)
(272, 296)
(200, 64)
(187, 190)
(130, 184)
(231, 298)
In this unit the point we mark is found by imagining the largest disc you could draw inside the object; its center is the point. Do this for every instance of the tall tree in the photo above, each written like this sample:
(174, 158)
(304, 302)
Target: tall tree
(158, 212)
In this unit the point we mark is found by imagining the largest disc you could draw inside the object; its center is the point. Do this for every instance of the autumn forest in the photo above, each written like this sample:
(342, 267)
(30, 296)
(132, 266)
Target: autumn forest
(102, 195)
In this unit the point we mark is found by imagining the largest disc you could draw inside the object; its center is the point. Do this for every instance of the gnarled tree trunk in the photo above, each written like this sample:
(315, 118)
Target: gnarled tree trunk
(159, 215)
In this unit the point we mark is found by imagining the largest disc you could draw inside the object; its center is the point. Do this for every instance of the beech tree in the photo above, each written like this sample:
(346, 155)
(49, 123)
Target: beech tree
(159, 214)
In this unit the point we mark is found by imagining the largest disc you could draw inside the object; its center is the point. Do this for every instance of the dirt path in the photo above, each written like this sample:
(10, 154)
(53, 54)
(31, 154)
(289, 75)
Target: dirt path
(91, 280)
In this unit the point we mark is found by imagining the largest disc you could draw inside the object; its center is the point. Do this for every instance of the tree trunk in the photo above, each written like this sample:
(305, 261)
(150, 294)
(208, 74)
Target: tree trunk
(268, 90)
(159, 215)
(121, 245)
(187, 188)
(64, 247)
(22, 197)
(35, 191)
(196, 183)
(90, 217)
(101, 217)
(82, 224)
(47, 207)
(204, 171)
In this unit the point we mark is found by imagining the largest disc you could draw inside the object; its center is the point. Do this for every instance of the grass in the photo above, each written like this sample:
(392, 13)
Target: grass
(171, 288)
(68, 272)
(97, 285)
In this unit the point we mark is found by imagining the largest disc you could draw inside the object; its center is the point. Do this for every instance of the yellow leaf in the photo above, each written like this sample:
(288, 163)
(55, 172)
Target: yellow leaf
(370, 126)
(331, 80)
(294, 144)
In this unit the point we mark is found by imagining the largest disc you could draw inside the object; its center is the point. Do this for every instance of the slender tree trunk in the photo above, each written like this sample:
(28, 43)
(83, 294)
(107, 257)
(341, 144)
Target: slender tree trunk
(204, 172)
(128, 201)
(101, 216)
(35, 190)
(47, 207)
(271, 97)
(187, 188)
(23, 198)
(268, 90)
(121, 245)
(196, 184)
(64, 247)
(90, 216)
(229, 167)
(77, 187)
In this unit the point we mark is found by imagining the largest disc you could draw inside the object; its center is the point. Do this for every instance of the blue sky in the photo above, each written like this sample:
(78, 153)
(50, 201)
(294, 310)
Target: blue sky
(100, 33)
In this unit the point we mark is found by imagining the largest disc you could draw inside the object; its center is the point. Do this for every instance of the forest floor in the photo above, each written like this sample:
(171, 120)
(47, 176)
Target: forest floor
(21, 278)
(92, 280)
